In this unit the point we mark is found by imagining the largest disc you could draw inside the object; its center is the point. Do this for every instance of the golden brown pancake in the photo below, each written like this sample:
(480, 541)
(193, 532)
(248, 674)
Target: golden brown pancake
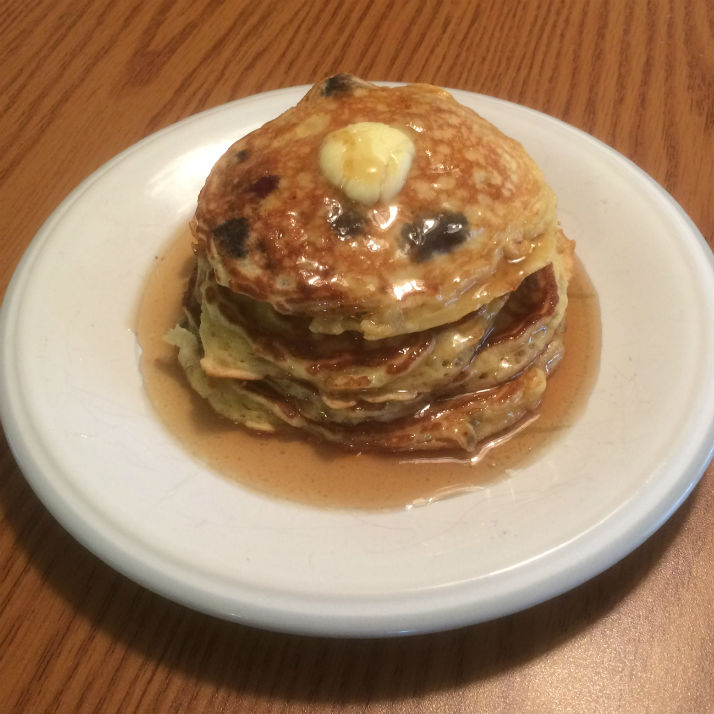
(474, 216)
(423, 315)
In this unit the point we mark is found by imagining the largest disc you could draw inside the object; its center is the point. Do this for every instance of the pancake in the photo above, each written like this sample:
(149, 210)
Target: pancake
(379, 268)
(248, 340)
(474, 217)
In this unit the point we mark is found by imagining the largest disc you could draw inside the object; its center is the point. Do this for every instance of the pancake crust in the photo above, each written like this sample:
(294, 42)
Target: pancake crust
(275, 229)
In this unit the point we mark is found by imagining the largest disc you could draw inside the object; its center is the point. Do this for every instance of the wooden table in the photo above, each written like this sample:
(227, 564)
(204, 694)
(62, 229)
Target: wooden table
(83, 80)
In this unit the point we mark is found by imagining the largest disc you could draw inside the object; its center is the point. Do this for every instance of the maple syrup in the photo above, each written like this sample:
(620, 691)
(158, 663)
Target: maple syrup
(298, 469)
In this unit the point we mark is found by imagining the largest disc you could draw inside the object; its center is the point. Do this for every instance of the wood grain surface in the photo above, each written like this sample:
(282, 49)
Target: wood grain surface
(82, 80)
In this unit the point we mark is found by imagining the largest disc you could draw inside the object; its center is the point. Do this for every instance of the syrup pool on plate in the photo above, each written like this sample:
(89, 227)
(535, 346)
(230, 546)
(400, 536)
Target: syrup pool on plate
(297, 469)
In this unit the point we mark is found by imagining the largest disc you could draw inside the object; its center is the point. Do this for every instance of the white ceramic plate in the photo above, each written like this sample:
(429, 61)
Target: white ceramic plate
(88, 442)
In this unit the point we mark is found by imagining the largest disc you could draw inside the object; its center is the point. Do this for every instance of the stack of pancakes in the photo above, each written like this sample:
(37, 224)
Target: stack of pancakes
(426, 320)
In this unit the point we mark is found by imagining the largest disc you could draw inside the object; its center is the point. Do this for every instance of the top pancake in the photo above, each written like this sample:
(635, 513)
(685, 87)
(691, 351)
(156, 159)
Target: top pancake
(473, 218)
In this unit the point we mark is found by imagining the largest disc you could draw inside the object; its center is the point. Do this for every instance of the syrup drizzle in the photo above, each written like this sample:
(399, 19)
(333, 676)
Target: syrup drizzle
(297, 469)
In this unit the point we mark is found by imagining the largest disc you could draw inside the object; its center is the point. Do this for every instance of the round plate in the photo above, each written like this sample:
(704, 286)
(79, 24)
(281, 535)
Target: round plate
(84, 434)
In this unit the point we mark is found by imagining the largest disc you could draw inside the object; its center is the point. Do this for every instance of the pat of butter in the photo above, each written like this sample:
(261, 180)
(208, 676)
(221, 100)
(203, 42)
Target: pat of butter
(369, 161)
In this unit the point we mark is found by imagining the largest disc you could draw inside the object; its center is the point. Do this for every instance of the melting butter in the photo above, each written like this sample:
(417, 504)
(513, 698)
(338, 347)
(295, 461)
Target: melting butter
(369, 161)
